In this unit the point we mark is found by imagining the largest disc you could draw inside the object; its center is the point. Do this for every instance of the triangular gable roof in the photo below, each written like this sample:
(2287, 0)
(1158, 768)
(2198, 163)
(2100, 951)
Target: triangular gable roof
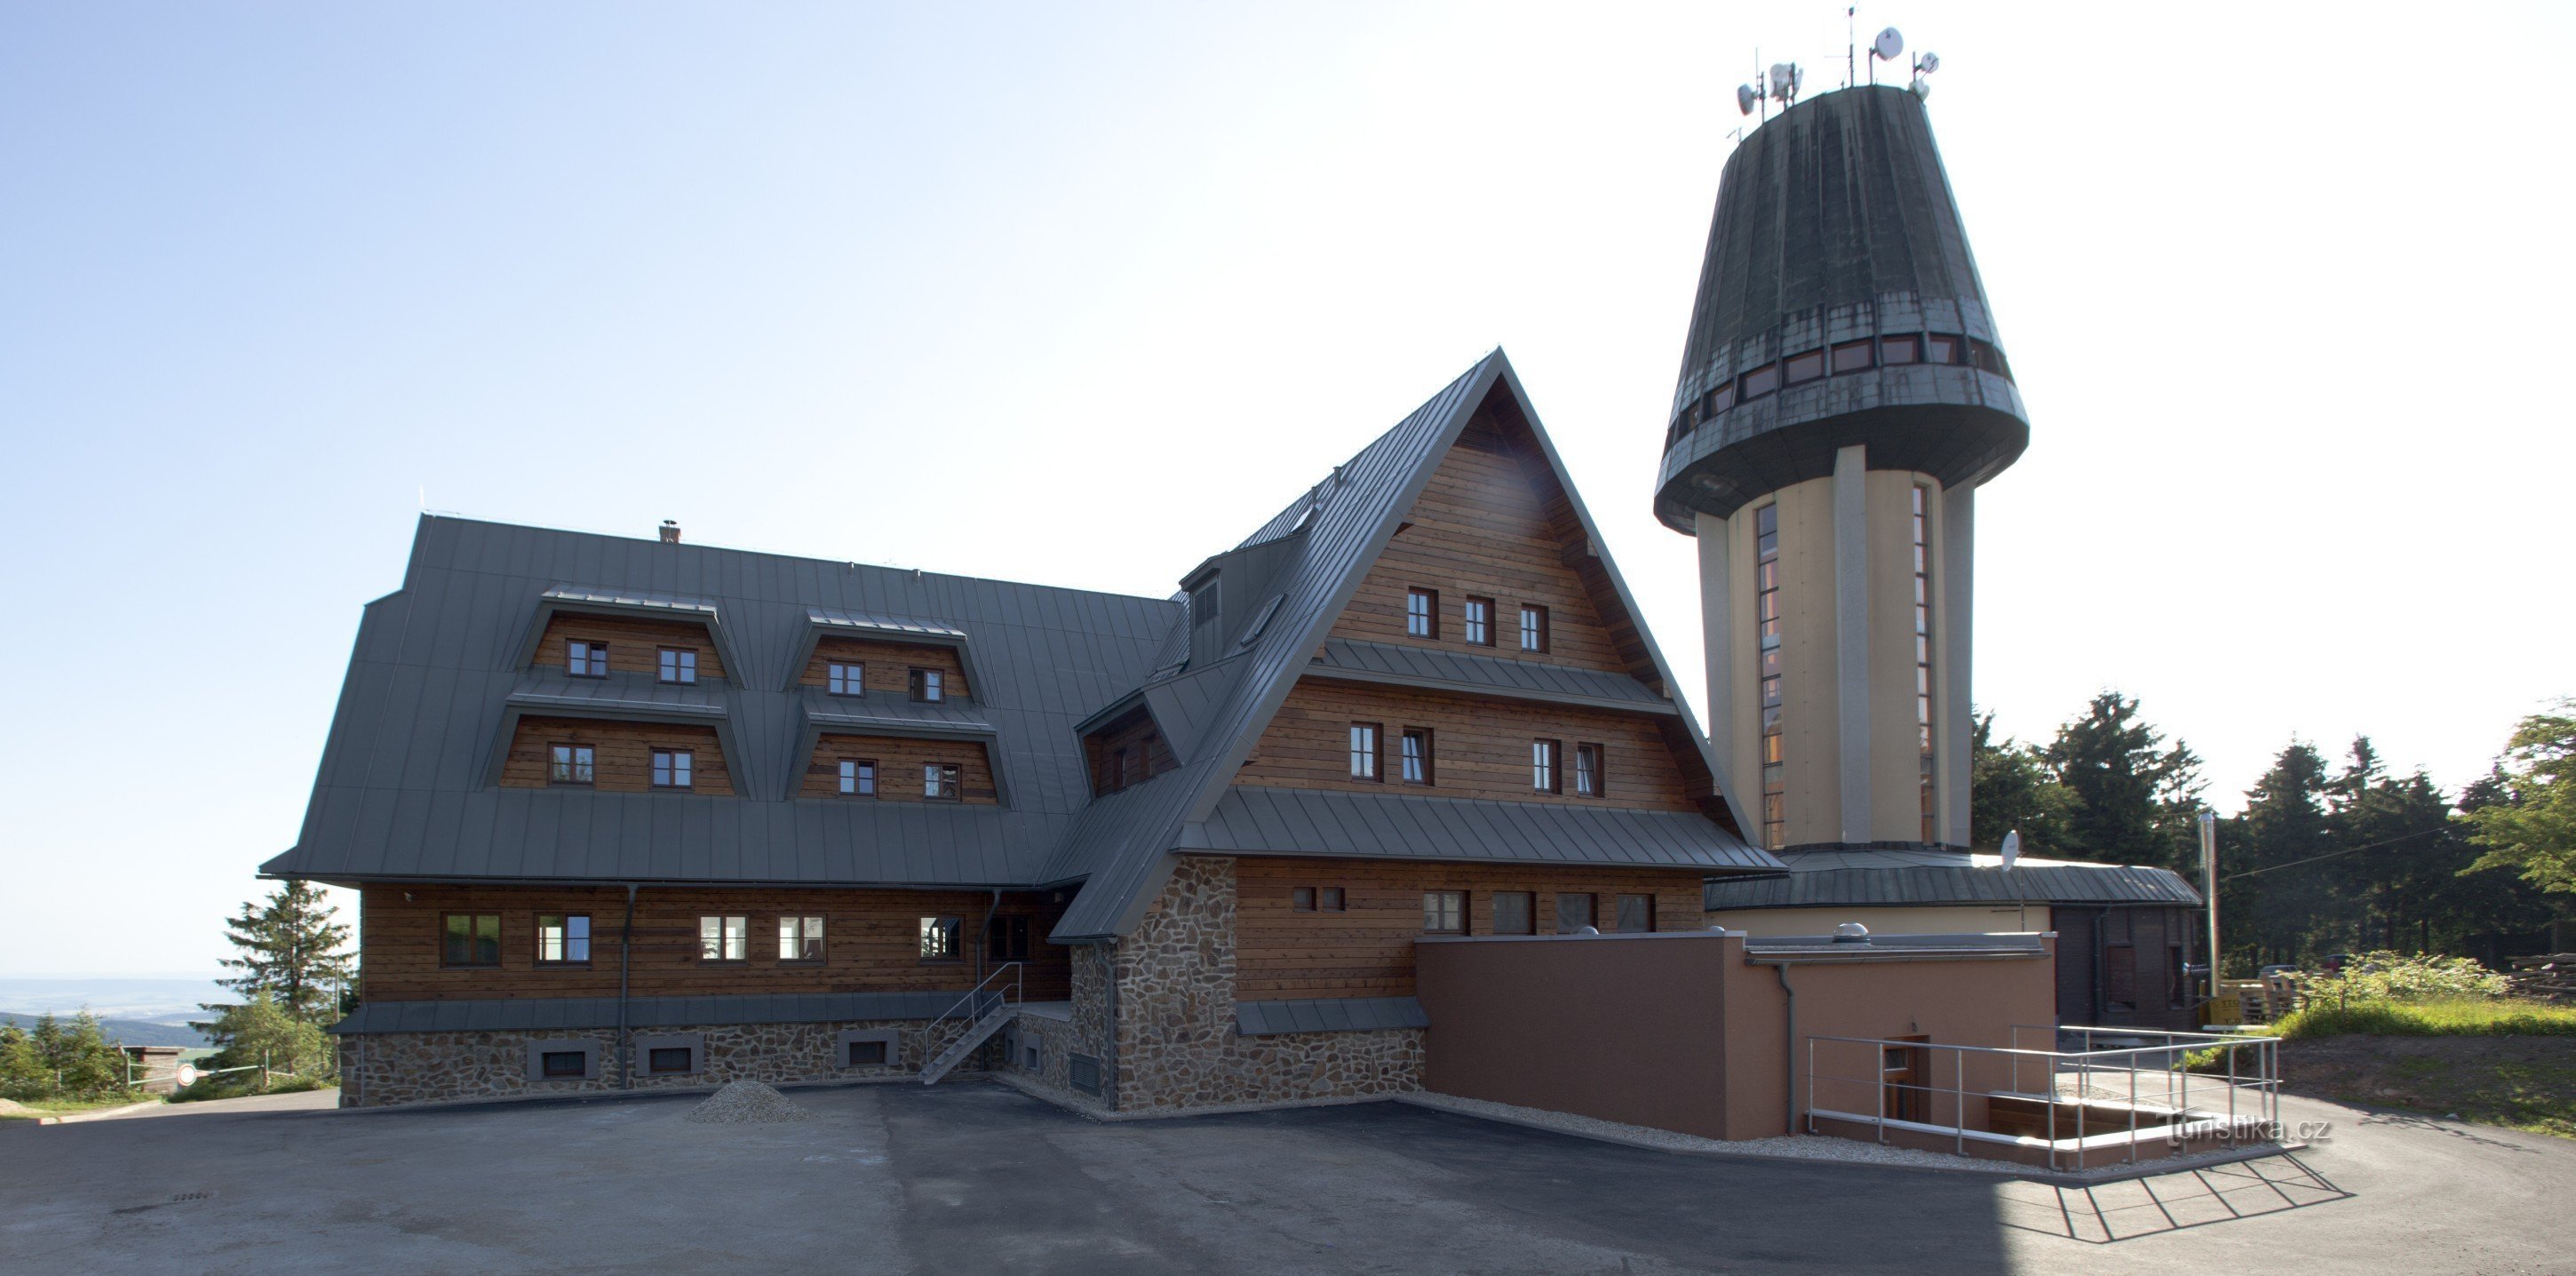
(1124, 845)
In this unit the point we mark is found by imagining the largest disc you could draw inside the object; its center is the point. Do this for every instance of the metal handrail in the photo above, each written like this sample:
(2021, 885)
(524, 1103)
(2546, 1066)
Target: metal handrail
(1008, 993)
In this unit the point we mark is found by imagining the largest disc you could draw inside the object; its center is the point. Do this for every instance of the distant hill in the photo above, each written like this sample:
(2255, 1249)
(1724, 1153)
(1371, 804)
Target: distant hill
(164, 1000)
(130, 1032)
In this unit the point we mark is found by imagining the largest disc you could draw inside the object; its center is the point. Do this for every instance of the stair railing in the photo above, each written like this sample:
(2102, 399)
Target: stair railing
(993, 993)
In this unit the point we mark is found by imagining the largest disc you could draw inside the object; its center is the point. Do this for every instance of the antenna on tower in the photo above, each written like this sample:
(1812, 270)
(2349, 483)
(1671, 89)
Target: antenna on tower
(1925, 63)
(1888, 47)
(1851, 45)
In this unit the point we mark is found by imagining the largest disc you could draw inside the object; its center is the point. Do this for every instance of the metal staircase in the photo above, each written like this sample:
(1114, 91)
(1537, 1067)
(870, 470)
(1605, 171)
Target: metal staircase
(992, 1004)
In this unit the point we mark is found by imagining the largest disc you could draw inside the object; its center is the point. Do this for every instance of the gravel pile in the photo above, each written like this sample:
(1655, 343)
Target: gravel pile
(748, 1103)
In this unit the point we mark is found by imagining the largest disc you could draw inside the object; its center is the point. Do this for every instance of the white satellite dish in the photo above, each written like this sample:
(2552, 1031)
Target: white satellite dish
(2012, 847)
(1745, 98)
(1923, 90)
(1889, 45)
(1784, 79)
(1928, 63)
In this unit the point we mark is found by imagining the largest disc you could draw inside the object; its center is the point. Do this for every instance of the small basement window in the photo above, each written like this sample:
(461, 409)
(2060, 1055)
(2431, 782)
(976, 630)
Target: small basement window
(671, 1054)
(661, 1060)
(865, 1048)
(562, 1064)
(867, 1054)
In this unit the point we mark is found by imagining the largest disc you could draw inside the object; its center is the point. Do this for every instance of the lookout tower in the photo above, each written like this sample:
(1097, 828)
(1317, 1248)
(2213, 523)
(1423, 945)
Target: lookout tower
(1843, 392)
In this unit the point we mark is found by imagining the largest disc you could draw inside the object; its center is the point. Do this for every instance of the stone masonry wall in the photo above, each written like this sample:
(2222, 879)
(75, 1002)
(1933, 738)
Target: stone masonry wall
(1177, 1045)
(384, 1069)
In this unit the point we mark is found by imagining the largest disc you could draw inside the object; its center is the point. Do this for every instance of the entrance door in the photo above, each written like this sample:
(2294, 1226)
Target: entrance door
(1903, 1072)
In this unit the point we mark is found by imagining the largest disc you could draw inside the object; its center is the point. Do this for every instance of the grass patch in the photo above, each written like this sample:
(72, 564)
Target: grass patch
(244, 1085)
(2462, 1017)
(30, 1109)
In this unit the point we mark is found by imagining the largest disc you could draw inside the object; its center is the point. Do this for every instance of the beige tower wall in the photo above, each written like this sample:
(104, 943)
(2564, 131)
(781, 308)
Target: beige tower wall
(1815, 681)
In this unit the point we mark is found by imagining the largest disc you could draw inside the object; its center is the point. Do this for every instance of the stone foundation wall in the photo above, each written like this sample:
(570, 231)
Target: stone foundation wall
(384, 1069)
(1177, 1046)
(1055, 1041)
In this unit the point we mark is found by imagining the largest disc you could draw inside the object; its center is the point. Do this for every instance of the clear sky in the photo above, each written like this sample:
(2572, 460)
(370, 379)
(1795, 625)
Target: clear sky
(1079, 293)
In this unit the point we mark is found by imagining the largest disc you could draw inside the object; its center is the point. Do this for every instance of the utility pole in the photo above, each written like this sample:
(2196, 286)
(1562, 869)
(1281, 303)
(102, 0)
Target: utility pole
(2209, 888)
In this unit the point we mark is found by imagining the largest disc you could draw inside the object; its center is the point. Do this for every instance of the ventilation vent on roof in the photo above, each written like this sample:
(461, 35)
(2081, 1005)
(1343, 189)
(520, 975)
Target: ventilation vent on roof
(1262, 621)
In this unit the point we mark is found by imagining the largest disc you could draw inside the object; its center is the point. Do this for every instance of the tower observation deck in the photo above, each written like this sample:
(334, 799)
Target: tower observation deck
(1843, 391)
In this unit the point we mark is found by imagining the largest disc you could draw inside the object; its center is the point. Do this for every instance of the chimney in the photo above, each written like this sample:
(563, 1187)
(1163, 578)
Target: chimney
(670, 532)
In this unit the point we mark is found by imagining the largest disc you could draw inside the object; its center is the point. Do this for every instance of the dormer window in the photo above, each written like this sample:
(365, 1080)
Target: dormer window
(858, 777)
(929, 686)
(572, 764)
(940, 783)
(673, 768)
(847, 680)
(680, 666)
(586, 659)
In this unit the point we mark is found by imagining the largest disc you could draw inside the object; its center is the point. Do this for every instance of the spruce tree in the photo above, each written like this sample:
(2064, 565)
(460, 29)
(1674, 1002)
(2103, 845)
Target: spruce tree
(291, 950)
(2130, 797)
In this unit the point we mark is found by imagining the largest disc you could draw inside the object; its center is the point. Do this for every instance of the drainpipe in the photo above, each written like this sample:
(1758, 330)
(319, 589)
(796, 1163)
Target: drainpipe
(625, 961)
(1789, 1049)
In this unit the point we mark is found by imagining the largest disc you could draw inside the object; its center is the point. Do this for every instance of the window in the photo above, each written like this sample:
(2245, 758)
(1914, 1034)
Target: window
(1766, 623)
(1421, 613)
(1533, 628)
(558, 1065)
(1329, 899)
(1364, 751)
(1480, 621)
(572, 764)
(1007, 939)
(471, 939)
(867, 1054)
(1417, 755)
(1929, 792)
(1940, 349)
(1805, 367)
(800, 939)
(1514, 913)
(1573, 913)
(1206, 599)
(678, 665)
(858, 777)
(1302, 899)
(2119, 961)
(846, 680)
(939, 939)
(563, 938)
(586, 659)
(1760, 381)
(723, 938)
(1316, 899)
(668, 1059)
(672, 768)
(929, 686)
(1444, 912)
(939, 781)
(1636, 913)
(1587, 770)
(1851, 356)
(1083, 1071)
(1543, 776)
(1905, 349)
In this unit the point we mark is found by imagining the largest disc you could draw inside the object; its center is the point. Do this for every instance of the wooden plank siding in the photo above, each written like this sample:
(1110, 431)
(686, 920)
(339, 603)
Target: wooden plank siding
(889, 664)
(1493, 523)
(1367, 950)
(871, 942)
(1149, 755)
(899, 762)
(634, 646)
(1480, 748)
(623, 754)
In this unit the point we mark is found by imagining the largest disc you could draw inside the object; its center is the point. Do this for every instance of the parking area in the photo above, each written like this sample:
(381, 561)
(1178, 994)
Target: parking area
(976, 1177)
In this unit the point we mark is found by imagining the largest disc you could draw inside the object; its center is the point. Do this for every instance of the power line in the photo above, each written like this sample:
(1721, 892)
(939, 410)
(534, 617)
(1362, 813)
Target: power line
(2367, 846)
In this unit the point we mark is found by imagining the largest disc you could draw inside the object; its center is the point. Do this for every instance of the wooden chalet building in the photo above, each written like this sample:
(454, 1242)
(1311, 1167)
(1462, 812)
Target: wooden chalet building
(628, 813)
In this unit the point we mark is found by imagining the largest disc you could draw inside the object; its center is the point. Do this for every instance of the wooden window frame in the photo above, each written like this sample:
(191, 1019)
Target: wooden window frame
(1618, 904)
(1007, 938)
(588, 935)
(731, 929)
(1332, 899)
(1803, 367)
(1410, 759)
(1591, 776)
(818, 940)
(1301, 899)
(1529, 911)
(854, 677)
(592, 662)
(473, 930)
(1480, 628)
(652, 1061)
(928, 686)
(676, 666)
(573, 765)
(1547, 766)
(1428, 612)
(1374, 752)
(1537, 634)
(1591, 911)
(955, 927)
(1439, 906)
(848, 775)
(943, 782)
(681, 765)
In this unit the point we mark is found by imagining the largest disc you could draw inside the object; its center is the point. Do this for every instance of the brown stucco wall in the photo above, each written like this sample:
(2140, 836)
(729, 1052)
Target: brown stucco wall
(1680, 1032)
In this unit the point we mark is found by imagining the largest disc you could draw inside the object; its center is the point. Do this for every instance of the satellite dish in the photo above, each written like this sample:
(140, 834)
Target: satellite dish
(1923, 89)
(1745, 97)
(1784, 79)
(1888, 46)
(1928, 63)
(2012, 847)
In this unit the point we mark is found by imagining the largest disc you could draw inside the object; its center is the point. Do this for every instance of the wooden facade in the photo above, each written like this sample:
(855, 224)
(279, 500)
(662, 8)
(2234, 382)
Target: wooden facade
(872, 941)
(899, 761)
(1480, 748)
(622, 754)
(1129, 750)
(1366, 948)
(634, 646)
(888, 666)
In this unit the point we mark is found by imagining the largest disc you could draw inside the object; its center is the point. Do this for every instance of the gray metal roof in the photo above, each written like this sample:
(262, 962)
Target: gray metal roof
(1890, 947)
(553, 1014)
(1857, 878)
(1358, 661)
(403, 790)
(1259, 820)
(1328, 1014)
